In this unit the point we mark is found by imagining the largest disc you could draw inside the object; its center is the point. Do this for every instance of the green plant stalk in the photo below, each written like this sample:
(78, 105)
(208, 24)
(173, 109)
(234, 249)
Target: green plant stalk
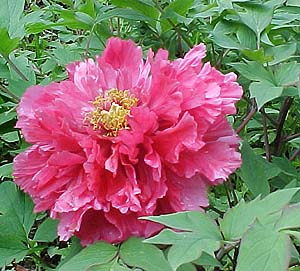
(13, 65)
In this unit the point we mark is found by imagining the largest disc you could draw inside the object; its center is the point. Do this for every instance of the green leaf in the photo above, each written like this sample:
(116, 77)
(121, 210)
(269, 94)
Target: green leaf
(16, 208)
(246, 37)
(258, 182)
(264, 92)
(264, 250)
(125, 13)
(207, 260)
(290, 218)
(7, 116)
(176, 10)
(148, 257)
(16, 220)
(98, 253)
(6, 170)
(222, 35)
(111, 266)
(189, 221)
(47, 231)
(89, 8)
(65, 56)
(10, 137)
(70, 252)
(295, 3)
(257, 55)
(25, 66)
(10, 15)
(281, 52)
(239, 219)
(18, 87)
(253, 70)
(139, 6)
(7, 45)
(203, 236)
(287, 73)
(11, 249)
(187, 267)
(256, 16)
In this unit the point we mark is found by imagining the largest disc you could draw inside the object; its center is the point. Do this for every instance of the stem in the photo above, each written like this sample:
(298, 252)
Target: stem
(180, 50)
(231, 188)
(13, 65)
(274, 122)
(281, 119)
(219, 212)
(228, 196)
(266, 139)
(8, 92)
(294, 155)
(224, 250)
(248, 117)
(288, 138)
(220, 58)
(88, 43)
(178, 31)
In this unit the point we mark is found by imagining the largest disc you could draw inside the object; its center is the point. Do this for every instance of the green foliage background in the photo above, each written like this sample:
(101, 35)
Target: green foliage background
(254, 218)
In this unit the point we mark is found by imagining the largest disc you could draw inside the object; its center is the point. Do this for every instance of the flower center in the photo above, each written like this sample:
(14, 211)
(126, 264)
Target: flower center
(111, 111)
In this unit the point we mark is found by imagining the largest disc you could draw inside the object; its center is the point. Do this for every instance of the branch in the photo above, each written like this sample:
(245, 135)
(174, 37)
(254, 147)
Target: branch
(224, 250)
(9, 93)
(291, 137)
(248, 117)
(266, 139)
(294, 155)
(281, 119)
(178, 31)
(17, 70)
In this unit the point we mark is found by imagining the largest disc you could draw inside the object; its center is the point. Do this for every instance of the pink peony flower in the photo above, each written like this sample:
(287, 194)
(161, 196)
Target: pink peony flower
(123, 138)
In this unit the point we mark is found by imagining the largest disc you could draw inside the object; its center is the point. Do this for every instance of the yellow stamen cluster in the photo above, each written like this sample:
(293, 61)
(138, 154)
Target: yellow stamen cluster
(115, 118)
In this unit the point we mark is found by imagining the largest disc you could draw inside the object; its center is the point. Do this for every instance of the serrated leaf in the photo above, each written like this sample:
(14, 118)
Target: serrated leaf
(264, 250)
(239, 219)
(98, 253)
(264, 92)
(201, 235)
(148, 257)
(189, 221)
(47, 231)
(16, 220)
(16, 208)
(255, 71)
(11, 249)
